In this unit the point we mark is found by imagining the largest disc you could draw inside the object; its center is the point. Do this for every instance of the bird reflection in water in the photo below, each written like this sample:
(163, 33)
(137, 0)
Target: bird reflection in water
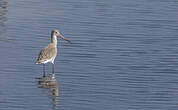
(50, 84)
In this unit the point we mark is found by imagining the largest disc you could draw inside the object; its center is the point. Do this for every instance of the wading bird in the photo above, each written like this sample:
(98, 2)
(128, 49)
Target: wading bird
(48, 54)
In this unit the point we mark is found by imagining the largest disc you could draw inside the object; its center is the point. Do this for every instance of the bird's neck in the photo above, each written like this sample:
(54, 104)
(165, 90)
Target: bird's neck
(54, 39)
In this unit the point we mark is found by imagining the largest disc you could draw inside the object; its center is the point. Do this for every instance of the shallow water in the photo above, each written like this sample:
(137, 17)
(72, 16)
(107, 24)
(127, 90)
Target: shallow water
(123, 56)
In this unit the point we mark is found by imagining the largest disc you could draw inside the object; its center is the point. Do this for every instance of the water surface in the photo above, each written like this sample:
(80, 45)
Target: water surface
(124, 54)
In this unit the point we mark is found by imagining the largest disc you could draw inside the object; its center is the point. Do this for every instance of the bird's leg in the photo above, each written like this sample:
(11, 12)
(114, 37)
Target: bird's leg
(53, 75)
(43, 70)
(53, 68)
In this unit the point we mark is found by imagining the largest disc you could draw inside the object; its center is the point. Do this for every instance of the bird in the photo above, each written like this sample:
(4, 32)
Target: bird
(49, 53)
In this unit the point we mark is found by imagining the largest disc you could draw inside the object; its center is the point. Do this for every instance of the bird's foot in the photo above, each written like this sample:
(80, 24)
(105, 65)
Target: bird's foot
(52, 76)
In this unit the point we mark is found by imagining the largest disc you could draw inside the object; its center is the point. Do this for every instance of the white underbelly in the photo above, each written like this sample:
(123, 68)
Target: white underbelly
(49, 60)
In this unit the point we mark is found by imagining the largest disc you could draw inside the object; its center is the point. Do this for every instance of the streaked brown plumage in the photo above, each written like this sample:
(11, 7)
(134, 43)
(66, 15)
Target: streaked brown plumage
(49, 53)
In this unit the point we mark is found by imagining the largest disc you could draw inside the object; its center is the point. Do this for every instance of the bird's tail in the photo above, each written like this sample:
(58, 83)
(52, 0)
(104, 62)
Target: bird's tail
(37, 62)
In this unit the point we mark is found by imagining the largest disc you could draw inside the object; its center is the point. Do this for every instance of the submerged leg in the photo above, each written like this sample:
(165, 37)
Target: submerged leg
(43, 70)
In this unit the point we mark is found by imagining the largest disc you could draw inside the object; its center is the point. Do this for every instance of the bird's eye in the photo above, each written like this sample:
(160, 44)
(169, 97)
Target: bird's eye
(56, 32)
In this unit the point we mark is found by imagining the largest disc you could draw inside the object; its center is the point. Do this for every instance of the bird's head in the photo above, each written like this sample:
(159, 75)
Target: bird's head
(57, 33)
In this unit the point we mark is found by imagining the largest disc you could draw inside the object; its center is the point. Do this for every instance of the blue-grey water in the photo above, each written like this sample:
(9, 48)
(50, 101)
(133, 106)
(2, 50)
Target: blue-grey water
(123, 56)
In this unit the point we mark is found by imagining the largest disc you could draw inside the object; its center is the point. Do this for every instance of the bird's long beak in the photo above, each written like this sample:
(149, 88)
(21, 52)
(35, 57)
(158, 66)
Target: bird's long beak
(61, 36)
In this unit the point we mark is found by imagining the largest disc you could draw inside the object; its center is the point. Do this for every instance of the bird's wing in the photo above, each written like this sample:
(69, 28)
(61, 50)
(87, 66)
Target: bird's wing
(47, 53)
